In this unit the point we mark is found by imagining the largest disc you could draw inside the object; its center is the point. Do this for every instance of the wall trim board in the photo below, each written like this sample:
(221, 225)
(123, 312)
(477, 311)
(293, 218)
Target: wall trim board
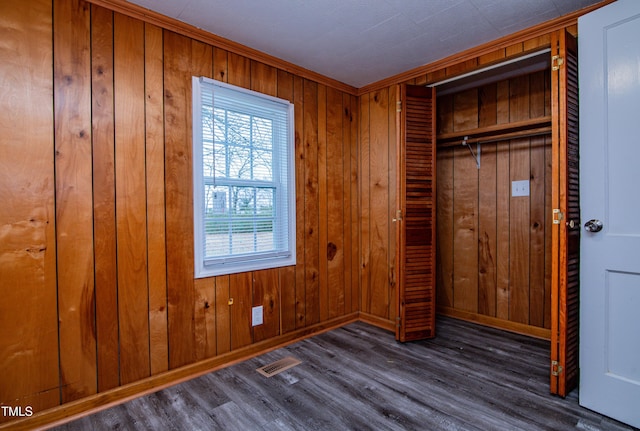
(171, 24)
(493, 322)
(380, 322)
(195, 33)
(92, 404)
(456, 59)
(89, 405)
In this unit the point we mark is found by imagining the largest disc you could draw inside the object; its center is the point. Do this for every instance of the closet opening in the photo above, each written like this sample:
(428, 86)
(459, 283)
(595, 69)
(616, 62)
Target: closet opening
(494, 234)
(494, 192)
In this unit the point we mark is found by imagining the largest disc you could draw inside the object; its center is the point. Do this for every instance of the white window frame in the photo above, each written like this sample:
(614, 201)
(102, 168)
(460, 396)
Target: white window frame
(229, 264)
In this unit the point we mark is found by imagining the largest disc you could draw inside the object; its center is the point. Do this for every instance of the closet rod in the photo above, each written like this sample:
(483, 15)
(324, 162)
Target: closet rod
(492, 67)
(498, 137)
(495, 129)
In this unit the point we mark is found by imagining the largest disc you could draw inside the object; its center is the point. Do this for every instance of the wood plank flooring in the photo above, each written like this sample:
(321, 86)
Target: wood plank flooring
(359, 378)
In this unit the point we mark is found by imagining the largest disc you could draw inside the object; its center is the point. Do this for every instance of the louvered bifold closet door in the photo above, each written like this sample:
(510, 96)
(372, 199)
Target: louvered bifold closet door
(565, 286)
(415, 219)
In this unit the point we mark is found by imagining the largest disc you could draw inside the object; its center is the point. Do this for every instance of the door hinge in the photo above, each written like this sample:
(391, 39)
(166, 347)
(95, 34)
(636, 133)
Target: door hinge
(557, 216)
(556, 368)
(399, 106)
(398, 322)
(556, 62)
(398, 216)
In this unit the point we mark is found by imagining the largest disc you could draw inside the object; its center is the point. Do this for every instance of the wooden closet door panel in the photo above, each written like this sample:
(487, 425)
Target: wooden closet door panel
(415, 219)
(566, 233)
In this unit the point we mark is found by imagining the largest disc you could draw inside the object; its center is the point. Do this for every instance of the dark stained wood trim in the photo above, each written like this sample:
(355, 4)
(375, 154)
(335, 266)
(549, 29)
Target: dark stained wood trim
(195, 33)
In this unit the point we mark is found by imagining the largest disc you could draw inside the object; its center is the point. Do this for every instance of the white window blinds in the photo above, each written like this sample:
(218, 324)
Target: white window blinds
(244, 188)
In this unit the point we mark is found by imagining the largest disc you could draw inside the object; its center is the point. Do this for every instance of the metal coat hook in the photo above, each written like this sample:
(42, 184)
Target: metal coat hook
(475, 155)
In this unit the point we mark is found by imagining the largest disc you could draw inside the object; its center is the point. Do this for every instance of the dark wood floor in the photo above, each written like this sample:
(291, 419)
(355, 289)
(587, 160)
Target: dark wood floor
(358, 378)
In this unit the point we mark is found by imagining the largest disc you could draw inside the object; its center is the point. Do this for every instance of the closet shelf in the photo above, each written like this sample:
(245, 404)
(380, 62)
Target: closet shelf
(498, 132)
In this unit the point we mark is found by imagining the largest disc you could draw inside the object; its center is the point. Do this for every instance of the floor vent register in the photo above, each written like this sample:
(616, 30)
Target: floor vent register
(278, 366)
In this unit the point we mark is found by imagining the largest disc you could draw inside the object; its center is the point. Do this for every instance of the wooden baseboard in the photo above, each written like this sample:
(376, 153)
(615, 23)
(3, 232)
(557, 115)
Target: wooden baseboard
(73, 410)
(101, 401)
(378, 321)
(493, 322)
(520, 328)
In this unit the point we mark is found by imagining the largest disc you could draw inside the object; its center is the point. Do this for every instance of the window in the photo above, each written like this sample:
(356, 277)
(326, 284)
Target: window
(244, 186)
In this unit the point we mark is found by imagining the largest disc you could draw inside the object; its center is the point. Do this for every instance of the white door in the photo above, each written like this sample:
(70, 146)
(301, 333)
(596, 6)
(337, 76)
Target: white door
(609, 76)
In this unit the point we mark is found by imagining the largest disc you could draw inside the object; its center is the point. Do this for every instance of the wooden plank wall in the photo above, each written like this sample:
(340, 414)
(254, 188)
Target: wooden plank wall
(96, 223)
(487, 287)
(378, 203)
(494, 249)
(28, 313)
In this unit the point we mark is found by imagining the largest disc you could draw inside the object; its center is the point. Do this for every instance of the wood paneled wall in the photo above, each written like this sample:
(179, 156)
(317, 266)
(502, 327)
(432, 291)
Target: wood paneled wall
(96, 222)
(378, 159)
(28, 314)
(494, 253)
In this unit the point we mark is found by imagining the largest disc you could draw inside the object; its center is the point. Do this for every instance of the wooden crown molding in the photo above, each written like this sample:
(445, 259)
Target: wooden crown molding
(149, 16)
(167, 23)
(486, 48)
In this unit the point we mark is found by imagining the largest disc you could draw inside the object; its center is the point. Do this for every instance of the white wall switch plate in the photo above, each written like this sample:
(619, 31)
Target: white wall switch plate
(256, 316)
(519, 188)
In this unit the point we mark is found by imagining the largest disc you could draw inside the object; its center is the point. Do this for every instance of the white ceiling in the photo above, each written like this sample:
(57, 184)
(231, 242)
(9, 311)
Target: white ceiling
(359, 42)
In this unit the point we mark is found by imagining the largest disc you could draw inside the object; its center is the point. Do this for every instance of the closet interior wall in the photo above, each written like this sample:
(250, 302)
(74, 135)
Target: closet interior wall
(493, 249)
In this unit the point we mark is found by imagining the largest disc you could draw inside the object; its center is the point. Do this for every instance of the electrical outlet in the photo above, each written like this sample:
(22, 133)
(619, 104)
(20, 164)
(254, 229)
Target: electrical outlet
(256, 316)
(520, 188)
